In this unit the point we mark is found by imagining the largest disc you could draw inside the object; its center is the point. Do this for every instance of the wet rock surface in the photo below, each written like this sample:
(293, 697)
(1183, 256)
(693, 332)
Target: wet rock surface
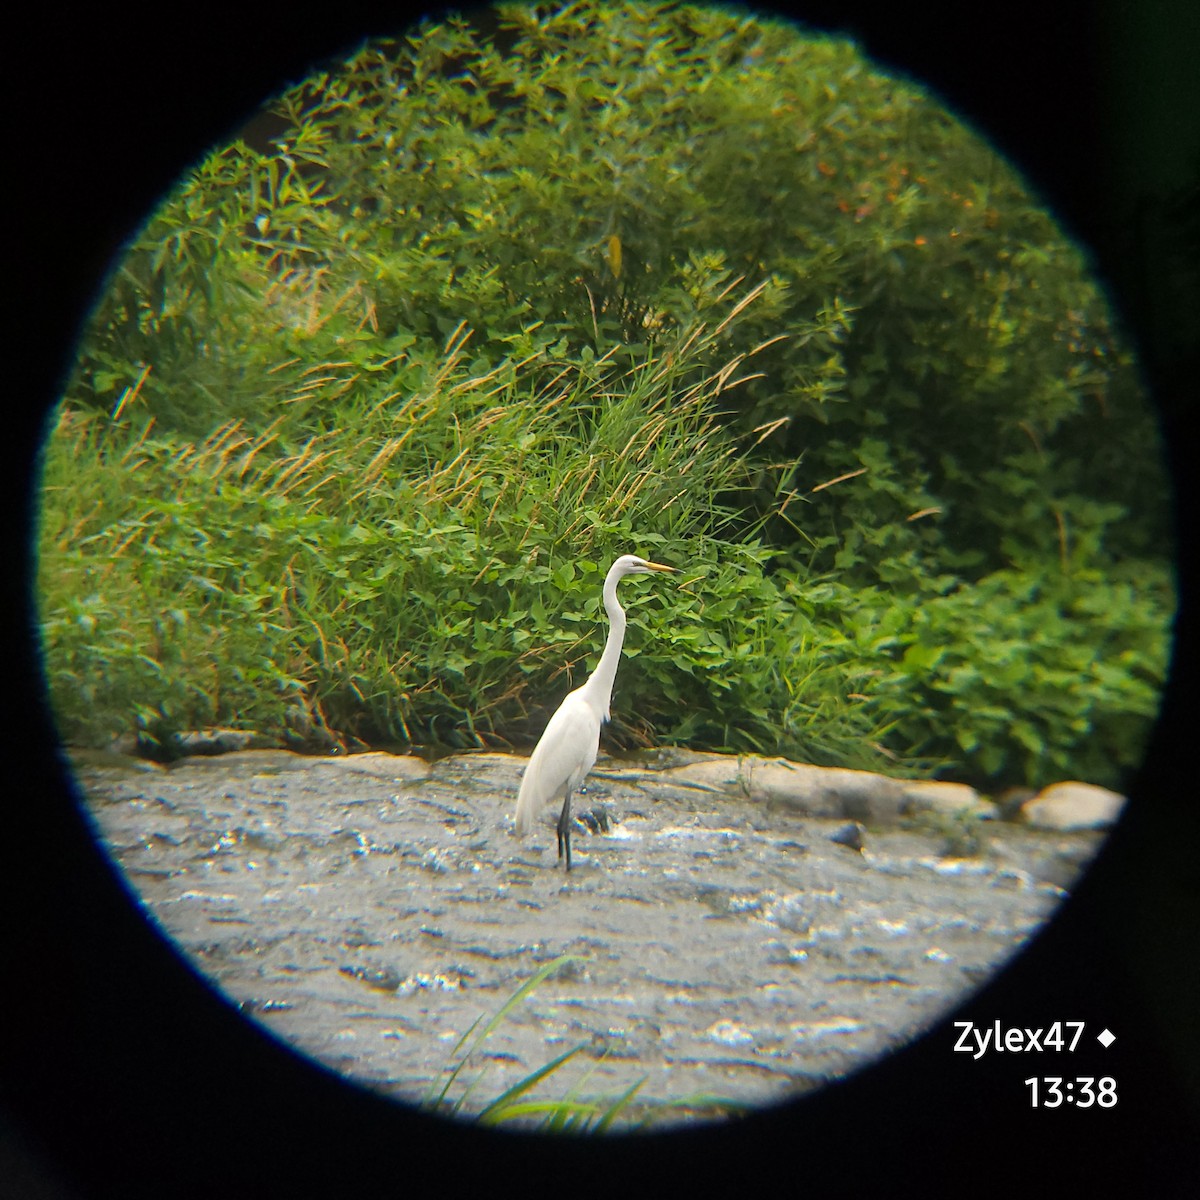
(369, 909)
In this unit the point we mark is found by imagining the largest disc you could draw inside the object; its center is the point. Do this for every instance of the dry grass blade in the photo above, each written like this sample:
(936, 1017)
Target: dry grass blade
(839, 479)
(741, 306)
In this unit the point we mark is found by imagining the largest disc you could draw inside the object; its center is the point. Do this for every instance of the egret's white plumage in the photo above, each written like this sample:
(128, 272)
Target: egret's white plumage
(567, 749)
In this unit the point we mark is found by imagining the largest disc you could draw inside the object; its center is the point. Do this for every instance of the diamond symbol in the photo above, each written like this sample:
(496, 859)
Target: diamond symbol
(1106, 1039)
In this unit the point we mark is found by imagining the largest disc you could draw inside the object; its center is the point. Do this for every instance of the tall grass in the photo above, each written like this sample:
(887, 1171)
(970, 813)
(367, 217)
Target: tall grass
(411, 552)
(423, 565)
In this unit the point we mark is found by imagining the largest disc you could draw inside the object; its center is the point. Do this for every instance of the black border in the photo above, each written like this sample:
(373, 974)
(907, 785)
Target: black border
(123, 1075)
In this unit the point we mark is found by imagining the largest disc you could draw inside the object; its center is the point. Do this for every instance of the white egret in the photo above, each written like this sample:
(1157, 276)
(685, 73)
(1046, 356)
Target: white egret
(567, 749)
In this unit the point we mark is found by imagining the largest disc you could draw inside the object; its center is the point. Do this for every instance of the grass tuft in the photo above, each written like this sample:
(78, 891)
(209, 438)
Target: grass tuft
(574, 1112)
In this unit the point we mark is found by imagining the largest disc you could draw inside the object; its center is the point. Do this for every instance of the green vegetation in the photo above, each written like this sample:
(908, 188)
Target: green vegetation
(574, 1112)
(371, 403)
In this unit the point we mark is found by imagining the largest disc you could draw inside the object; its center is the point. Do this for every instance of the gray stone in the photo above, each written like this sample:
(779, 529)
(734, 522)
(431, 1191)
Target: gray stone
(814, 791)
(850, 834)
(950, 799)
(380, 764)
(214, 741)
(825, 791)
(244, 763)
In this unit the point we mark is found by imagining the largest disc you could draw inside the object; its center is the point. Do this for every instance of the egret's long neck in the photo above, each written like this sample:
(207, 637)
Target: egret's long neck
(600, 682)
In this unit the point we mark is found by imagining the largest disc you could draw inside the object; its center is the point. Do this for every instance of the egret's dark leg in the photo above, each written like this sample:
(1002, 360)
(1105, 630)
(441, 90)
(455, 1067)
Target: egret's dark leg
(564, 830)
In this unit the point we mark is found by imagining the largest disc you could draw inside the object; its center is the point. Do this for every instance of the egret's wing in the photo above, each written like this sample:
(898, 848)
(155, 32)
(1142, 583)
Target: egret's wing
(563, 756)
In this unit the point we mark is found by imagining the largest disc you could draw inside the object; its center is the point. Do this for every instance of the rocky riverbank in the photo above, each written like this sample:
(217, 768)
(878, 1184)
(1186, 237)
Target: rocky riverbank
(745, 928)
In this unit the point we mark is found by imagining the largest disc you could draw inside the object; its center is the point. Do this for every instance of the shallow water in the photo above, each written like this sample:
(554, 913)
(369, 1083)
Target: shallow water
(369, 912)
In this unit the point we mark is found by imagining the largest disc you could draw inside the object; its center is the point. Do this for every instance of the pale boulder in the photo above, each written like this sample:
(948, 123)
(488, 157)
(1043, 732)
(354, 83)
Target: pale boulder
(949, 799)
(1072, 805)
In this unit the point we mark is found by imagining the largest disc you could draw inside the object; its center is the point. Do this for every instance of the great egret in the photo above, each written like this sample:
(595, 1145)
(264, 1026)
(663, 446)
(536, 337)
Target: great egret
(567, 749)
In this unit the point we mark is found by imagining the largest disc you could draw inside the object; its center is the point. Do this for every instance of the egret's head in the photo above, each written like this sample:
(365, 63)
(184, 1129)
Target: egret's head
(630, 564)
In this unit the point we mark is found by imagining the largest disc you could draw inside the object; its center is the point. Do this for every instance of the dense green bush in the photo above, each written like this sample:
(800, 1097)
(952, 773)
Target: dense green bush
(1033, 678)
(455, 324)
(593, 179)
(435, 588)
